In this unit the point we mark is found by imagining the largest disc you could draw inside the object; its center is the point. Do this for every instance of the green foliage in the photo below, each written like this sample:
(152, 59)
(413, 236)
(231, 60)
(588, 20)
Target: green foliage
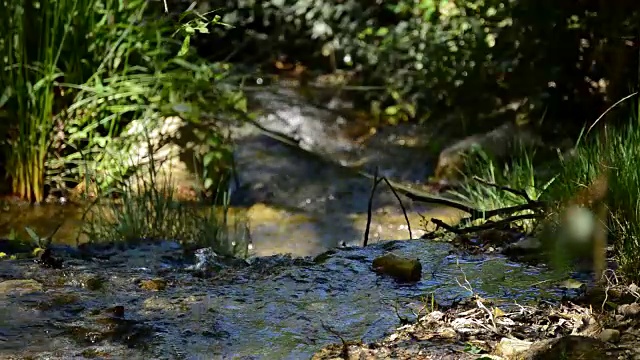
(435, 45)
(146, 208)
(618, 149)
(438, 56)
(518, 174)
(70, 95)
(196, 24)
(470, 348)
(567, 233)
(407, 46)
(33, 35)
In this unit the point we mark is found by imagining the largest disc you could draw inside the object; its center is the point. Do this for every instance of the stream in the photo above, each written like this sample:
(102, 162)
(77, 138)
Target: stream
(147, 302)
(275, 308)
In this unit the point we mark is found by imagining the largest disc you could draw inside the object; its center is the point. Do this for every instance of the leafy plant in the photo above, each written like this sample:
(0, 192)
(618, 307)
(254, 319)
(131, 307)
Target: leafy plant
(472, 349)
(197, 24)
(69, 96)
(146, 207)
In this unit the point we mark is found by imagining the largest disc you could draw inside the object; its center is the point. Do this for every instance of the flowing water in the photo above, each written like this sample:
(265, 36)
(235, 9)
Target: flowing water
(277, 307)
(297, 202)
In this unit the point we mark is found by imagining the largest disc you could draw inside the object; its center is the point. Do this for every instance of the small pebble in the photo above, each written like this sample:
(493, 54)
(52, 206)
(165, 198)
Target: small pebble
(629, 310)
(610, 335)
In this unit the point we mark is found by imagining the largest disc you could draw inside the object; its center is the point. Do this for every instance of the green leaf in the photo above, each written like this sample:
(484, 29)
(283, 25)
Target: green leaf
(391, 110)
(382, 31)
(208, 182)
(571, 284)
(32, 234)
(185, 46)
(6, 95)
(208, 158)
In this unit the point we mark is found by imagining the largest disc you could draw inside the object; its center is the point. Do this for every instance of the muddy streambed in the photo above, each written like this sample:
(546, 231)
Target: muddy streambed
(145, 302)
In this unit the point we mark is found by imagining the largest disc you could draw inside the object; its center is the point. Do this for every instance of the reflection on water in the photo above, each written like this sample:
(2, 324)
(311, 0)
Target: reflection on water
(273, 230)
(295, 202)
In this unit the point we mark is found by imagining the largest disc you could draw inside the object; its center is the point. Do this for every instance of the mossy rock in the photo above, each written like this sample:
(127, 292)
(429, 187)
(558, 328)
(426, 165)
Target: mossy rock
(400, 268)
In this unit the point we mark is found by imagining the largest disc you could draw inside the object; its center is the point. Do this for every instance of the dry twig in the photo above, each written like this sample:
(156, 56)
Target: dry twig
(376, 181)
(345, 345)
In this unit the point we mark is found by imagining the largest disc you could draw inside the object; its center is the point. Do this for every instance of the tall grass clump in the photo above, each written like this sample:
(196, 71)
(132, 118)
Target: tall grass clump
(146, 207)
(611, 154)
(153, 212)
(44, 43)
(79, 79)
(75, 73)
(33, 35)
(518, 174)
(614, 152)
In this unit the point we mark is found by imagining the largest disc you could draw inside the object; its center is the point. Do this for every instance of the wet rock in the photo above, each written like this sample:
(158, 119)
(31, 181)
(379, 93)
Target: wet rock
(207, 262)
(570, 347)
(510, 348)
(629, 310)
(69, 301)
(154, 304)
(93, 282)
(47, 260)
(525, 246)
(324, 256)
(610, 335)
(402, 269)
(19, 287)
(153, 284)
(572, 284)
(116, 311)
(95, 354)
(288, 113)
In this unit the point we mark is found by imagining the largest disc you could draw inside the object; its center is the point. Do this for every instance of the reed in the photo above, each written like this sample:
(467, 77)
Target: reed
(42, 43)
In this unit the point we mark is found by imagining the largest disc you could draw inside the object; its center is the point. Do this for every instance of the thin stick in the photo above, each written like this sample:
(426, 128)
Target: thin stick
(609, 109)
(404, 211)
(345, 345)
(485, 226)
(376, 181)
(521, 193)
